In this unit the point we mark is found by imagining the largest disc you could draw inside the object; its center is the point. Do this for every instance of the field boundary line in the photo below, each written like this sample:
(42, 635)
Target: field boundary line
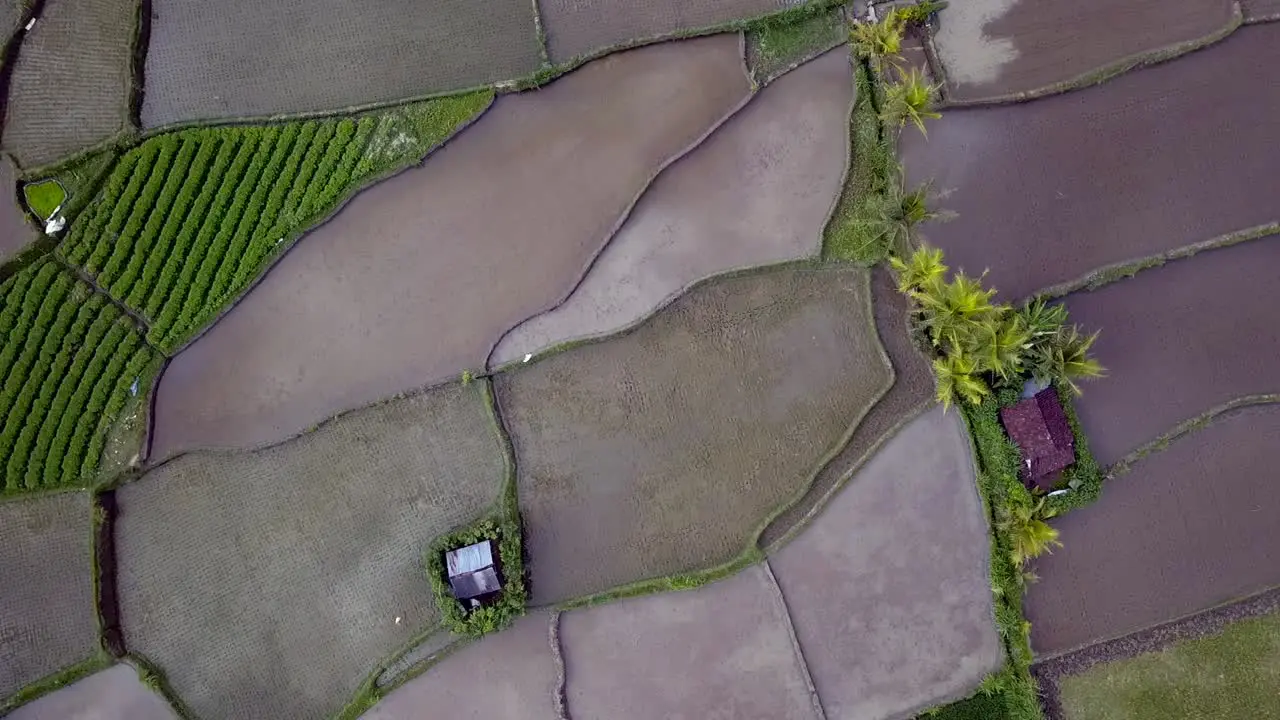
(541, 32)
(84, 277)
(1050, 671)
(1183, 429)
(803, 662)
(1125, 269)
(559, 695)
(1111, 70)
(617, 226)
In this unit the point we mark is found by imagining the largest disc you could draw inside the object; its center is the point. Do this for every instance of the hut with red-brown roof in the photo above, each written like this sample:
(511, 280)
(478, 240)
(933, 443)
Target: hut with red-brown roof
(1038, 426)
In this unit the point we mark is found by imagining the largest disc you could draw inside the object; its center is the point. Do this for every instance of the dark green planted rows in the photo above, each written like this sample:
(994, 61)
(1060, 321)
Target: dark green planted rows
(188, 220)
(70, 361)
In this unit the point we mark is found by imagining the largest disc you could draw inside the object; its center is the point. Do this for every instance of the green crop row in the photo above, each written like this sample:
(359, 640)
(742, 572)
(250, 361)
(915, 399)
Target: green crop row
(188, 220)
(69, 360)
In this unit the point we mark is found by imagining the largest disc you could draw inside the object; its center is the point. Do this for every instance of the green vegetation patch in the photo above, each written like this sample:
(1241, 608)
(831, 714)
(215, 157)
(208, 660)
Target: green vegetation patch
(775, 45)
(1223, 677)
(856, 230)
(510, 602)
(188, 220)
(71, 362)
(44, 197)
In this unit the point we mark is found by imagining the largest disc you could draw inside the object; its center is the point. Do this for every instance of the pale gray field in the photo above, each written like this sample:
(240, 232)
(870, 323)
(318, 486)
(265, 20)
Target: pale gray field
(112, 694)
(269, 584)
(889, 588)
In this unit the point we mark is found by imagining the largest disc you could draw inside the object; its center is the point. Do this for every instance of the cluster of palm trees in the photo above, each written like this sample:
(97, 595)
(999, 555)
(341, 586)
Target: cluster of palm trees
(908, 98)
(981, 345)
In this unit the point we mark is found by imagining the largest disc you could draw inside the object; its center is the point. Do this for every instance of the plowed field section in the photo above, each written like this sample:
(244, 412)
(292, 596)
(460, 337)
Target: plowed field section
(1156, 159)
(269, 584)
(70, 361)
(71, 85)
(581, 27)
(15, 233)
(434, 265)
(1179, 340)
(998, 48)
(188, 220)
(1189, 528)
(46, 599)
(665, 449)
(247, 58)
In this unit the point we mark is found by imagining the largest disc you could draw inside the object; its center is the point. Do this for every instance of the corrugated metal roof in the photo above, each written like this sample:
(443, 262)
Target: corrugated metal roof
(469, 585)
(470, 558)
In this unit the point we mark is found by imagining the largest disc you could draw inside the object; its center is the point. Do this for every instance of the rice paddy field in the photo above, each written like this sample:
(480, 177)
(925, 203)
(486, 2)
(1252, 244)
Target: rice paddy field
(47, 607)
(664, 450)
(72, 85)
(517, 669)
(435, 265)
(1119, 189)
(1188, 528)
(187, 221)
(1205, 321)
(888, 588)
(1004, 49)
(911, 393)
(757, 191)
(270, 584)
(243, 58)
(724, 650)
(72, 361)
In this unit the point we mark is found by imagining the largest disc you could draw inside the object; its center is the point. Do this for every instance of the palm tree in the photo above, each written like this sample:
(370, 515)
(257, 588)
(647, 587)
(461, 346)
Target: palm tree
(958, 379)
(1029, 535)
(910, 100)
(955, 311)
(923, 267)
(879, 40)
(1005, 346)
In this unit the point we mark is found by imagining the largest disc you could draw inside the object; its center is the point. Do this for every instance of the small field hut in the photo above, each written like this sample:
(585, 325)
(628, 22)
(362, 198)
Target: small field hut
(1038, 426)
(473, 573)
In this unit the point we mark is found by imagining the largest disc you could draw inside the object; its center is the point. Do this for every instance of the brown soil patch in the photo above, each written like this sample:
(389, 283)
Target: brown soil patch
(15, 232)
(239, 58)
(1189, 528)
(582, 27)
(1139, 165)
(995, 48)
(756, 192)
(419, 276)
(269, 584)
(113, 694)
(71, 85)
(722, 651)
(664, 450)
(509, 675)
(889, 588)
(46, 593)
(1178, 341)
(912, 391)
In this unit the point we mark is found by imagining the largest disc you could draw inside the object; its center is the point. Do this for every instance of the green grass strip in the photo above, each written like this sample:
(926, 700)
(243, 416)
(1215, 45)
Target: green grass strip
(1223, 677)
